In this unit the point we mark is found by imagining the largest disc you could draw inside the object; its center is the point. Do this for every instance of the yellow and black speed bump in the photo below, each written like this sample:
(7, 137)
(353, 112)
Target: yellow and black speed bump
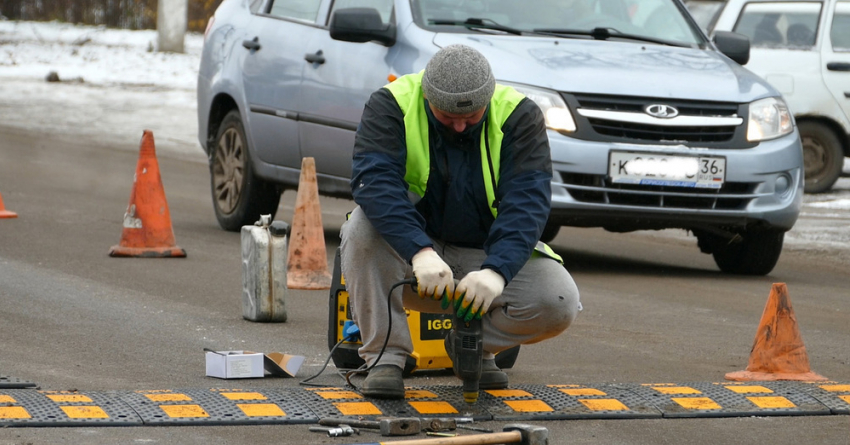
(219, 406)
(7, 382)
(554, 402)
(729, 399)
(834, 395)
(433, 401)
(222, 406)
(27, 407)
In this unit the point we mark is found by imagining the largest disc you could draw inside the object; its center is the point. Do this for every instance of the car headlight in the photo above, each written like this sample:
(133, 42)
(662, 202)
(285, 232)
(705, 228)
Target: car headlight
(769, 118)
(555, 110)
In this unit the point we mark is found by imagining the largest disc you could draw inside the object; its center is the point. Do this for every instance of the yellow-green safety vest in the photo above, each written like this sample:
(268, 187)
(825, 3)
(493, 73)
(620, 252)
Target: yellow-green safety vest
(407, 91)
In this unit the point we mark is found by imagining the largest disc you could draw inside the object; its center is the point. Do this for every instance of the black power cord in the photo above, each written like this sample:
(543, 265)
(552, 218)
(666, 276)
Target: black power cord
(363, 369)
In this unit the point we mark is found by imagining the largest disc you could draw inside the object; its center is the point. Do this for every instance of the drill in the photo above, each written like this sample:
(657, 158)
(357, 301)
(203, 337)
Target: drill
(468, 346)
(469, 352)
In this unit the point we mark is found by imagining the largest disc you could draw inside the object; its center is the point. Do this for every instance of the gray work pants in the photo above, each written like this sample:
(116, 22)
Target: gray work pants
(539, 303)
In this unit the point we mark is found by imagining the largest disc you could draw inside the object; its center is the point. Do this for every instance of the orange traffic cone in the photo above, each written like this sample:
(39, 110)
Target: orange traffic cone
(6, 213)
(147, 222)
(778, 352)
(307, 265)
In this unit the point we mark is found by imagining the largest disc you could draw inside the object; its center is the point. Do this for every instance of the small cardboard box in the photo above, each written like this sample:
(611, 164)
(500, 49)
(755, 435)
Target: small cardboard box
(234, 364)
(247, 364)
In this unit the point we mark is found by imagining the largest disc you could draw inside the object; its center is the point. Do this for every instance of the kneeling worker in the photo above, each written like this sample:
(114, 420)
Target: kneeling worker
(451, 175)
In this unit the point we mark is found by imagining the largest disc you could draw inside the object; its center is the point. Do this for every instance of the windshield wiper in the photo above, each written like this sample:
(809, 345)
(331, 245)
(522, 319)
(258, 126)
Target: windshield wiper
(476, 23)
(601, 33)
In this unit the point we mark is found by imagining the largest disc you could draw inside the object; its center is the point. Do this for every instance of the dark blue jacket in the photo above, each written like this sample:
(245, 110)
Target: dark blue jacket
(454, 208)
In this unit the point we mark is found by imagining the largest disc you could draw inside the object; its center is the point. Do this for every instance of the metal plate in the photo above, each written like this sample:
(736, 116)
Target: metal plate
(7, 382)
(728, 399)
(26, 407)
(553, 402)
(218, 406)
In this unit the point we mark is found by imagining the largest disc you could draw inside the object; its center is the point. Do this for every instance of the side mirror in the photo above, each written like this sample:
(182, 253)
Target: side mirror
(361, 25)
(733, 45)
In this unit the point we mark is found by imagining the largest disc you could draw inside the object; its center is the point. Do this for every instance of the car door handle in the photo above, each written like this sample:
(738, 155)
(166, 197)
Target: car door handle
(315, 58)
(253, 45)
(838, 66)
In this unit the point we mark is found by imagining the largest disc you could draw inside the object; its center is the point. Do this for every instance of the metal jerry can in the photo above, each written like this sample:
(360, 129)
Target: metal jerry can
(264, 252)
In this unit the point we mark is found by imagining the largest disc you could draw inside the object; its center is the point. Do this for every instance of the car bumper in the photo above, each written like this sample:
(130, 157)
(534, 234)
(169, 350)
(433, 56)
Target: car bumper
(763, 186)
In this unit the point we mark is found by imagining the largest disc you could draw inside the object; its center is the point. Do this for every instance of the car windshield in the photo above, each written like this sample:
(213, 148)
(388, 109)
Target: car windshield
(705, 12)
(645, 20)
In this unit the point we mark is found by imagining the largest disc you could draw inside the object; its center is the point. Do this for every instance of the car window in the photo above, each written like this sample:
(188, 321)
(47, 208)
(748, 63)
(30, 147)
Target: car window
(384, 7)
(840, 34)
(780, 24)
(306, 10)
(658, 19)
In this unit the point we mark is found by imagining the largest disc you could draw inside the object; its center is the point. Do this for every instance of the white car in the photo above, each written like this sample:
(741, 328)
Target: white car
(802, 48)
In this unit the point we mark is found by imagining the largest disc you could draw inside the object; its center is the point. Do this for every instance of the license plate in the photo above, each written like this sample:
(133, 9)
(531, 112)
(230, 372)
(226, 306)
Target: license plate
(666, 170)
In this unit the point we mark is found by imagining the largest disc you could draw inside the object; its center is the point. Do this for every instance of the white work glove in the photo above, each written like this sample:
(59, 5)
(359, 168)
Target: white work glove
(478, 290)
(433, 275)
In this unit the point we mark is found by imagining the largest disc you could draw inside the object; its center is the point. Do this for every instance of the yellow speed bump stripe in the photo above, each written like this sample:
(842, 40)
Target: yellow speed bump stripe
(85, 412)
(14, 412)
(181, 411)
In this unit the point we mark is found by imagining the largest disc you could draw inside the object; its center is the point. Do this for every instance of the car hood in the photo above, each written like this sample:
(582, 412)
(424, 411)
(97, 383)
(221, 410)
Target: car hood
(615, 68)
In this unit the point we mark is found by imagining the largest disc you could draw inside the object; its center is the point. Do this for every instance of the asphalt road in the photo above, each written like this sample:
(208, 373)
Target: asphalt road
(71, 317)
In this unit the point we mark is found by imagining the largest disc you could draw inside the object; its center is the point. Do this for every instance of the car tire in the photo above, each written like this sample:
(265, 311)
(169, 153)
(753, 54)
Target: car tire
(239, 197)
(550, 231)
(822, 156)
(755, 254)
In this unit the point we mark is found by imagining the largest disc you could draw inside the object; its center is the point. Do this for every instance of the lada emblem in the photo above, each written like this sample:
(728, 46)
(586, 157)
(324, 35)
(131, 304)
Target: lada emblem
(661, 111)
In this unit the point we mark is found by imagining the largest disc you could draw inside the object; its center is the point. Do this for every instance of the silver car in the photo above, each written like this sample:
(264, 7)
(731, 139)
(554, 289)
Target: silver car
(652, 125)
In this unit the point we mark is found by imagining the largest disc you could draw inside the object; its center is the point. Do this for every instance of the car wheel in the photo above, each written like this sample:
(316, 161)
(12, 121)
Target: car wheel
(550, 231)
(822, 156)
(755, 254)
(239, 197)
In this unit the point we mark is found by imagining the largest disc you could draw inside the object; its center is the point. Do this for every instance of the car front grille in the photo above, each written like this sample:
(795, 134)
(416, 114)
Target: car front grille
(623, 119)
(692, 134)
(597, 189)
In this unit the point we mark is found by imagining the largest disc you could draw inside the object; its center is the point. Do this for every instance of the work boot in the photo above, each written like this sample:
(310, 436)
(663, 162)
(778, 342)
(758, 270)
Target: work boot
(384, 382)
(491, 376)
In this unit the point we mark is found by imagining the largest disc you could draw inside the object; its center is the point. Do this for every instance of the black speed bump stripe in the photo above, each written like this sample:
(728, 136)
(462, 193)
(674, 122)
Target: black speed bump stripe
(26, 407)
(218, 406)
(728, 399)
(553, 402)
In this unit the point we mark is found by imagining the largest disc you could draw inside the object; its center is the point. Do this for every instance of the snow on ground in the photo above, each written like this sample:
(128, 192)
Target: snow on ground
(114, 85)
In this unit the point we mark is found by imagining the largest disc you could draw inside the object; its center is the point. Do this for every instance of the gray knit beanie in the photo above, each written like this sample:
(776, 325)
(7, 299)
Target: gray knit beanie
(458, 79)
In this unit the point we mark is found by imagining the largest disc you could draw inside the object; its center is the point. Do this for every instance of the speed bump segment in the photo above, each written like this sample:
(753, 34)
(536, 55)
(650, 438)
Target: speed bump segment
(730, 399)
(26, 407)
(556, 402)
(219, 406)
(834, 395)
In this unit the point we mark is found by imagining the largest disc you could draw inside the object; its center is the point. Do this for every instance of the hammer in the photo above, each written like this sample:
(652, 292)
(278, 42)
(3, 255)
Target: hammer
(393, 426)
(514, 433)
